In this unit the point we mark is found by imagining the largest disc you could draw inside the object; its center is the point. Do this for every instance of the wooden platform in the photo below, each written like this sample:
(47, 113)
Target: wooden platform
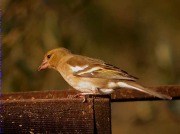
(52, 112)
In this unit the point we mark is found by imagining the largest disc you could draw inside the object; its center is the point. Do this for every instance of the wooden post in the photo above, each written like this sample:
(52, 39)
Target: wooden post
(102, 116)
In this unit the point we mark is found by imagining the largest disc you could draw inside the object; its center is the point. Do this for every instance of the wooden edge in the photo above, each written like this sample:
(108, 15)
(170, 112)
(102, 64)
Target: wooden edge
(51, 94)
(118, 96)
(133, 95)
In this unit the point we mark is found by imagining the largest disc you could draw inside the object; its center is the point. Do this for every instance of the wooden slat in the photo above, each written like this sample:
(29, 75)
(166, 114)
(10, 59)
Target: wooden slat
(118, 96)
(53, 112)
(51, 94)
(47, 116)
(133, 95)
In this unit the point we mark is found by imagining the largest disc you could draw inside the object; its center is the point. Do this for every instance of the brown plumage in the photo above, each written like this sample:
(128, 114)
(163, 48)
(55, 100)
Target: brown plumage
(91, 76)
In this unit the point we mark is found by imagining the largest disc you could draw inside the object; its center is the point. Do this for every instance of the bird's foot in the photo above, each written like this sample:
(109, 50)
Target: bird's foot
(71, 96)
(81, 95)
(87, 95)
(84, 96)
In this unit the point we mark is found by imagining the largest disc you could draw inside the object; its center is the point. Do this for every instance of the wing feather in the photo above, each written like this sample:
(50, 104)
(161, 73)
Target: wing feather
(98, 69)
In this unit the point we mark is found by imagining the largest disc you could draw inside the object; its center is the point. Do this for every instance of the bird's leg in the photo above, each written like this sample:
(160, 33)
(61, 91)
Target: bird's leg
(95, 92)
(91, 94)
(83, 95)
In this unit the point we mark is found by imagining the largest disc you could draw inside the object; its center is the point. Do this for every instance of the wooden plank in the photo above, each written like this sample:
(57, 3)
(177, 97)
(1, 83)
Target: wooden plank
(50, 94)
(47, 116)
(118, 96)
(53, 112)
(133, 95)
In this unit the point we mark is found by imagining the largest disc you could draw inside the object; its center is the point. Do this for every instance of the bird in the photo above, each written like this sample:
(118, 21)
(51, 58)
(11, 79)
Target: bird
(92, 76)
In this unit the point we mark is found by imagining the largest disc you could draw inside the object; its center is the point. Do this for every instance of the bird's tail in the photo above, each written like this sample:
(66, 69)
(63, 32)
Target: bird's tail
(134, 85)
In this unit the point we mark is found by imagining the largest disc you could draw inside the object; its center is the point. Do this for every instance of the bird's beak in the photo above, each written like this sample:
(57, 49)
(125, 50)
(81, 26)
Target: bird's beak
(43, 65)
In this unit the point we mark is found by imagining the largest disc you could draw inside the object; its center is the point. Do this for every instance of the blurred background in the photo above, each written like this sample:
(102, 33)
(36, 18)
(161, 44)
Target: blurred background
(141, 37)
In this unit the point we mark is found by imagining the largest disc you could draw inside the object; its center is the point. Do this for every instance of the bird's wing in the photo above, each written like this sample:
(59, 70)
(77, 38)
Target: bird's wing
(94, 68)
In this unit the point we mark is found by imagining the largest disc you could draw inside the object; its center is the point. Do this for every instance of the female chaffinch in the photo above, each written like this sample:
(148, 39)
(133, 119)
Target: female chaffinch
(91, 76)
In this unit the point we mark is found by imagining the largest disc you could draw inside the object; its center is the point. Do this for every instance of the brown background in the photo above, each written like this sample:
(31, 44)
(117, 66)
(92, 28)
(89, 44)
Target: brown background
(141, 37)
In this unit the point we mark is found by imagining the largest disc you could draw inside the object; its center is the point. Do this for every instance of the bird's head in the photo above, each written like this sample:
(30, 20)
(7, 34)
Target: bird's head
(53, 57)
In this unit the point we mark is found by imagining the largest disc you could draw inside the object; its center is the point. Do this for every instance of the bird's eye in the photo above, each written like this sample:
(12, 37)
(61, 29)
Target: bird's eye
(48, 56)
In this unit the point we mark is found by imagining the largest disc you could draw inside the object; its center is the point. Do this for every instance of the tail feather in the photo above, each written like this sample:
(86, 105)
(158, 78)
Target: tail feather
(133, 85)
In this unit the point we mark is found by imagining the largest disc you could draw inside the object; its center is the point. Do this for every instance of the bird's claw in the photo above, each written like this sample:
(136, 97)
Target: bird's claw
(71, 96)
(79, 96)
